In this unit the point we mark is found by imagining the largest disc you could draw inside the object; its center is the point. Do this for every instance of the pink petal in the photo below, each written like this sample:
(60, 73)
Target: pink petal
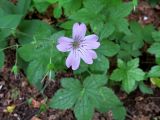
(92, 54)
(79, 30)
(73, 60)
(90, 42)
(90, 45)
(64, 44)
(86, 56)
(91, 38)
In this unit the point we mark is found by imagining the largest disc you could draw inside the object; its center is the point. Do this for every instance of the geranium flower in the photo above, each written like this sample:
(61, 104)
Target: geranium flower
(79, 46)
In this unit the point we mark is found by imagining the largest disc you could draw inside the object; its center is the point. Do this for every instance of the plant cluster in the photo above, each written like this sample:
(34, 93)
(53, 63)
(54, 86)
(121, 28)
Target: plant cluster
(38, 55)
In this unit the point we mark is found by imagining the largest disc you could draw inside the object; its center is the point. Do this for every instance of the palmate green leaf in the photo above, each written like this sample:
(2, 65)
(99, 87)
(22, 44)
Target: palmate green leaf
(34, 30)
(156, 36)
(1, 59)
(84, 108)
(117, 75)
(52, 1)
(25, 52)
(116, 17)
(57, 12)
(10, 22)
(95, 81)
(129, 75)
(68, 4)
(96, 5)
(97, 27)
(101, 64)
(2, 12)
(127, 51)
(110, 102)
(101, 96)
(41, 5)
(83, 68)
(22, 6)
(106, 31)
(67, 25)
(145, 89)
(66, 98)
(29, 52)
(133, 63)
(38, 67)
(71, 84)
(108, 48)
(155, 49)
(113, 3)
(139, 35)
(121, 10)
(154, 72)
(8, 25)
(147, 33)
(36, 70)
(38, 42)
(7, 6)
(83, 15)
(122, 26)
(85, 98)
(157, 60)
(3, 35)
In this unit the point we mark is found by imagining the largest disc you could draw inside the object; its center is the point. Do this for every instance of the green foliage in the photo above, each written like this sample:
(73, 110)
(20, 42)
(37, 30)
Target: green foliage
(1, 59)
(131, 44)
(155, 49)
(154, 75)
(36, 47)
(57, 12)
(113, 14)
(145, 89)
(154, 72)
(22, 7)
(128, 73)
(156, 81)
(139, 35)
(108, 48)
(101, 64)
(15, 70)
(84, 98)
(10, 21)
(41, 5)
(153, 2)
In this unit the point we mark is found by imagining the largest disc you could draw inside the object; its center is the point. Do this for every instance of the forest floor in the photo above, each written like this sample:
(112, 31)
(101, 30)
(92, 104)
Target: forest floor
(20, 101)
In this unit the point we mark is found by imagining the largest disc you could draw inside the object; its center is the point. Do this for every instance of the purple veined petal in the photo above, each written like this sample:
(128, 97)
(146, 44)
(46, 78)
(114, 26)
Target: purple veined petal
(86, 56)
(65, 40)
(91, 38)
(90, 45)
(73, 60)
(64, 44)
(91, 42)
(79, 30)
(92, 54)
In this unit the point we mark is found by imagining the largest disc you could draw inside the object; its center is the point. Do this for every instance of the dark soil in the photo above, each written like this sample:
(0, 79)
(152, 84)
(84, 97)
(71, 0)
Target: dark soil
(15, 90)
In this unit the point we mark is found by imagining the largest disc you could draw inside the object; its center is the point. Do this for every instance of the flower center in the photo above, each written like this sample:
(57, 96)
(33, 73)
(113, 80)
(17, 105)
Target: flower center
(76, 44)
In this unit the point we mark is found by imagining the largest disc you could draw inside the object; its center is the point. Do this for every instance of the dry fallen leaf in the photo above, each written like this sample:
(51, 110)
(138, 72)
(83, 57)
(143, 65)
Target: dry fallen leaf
(35, 118)
(10, 108)
(35, 103)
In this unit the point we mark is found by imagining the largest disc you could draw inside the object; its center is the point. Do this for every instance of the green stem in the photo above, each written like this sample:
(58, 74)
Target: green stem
(9, 47)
